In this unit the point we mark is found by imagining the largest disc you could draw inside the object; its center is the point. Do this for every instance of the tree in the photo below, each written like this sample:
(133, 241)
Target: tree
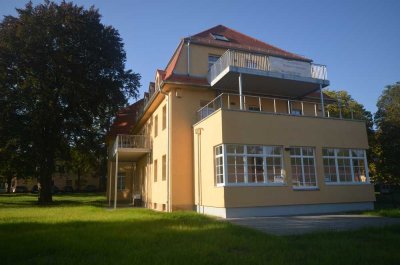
(63, 77)
(387, 120)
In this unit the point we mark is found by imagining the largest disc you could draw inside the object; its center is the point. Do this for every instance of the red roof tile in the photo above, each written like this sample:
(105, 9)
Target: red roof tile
(172, 63)
(240, 41)
(125, 119)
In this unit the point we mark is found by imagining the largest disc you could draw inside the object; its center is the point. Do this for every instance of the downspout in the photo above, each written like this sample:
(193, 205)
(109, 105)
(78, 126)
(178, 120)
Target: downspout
(168, 151)
(188, 57)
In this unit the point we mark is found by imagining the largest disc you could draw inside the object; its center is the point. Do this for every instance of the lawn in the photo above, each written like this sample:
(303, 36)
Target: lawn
(79, 230)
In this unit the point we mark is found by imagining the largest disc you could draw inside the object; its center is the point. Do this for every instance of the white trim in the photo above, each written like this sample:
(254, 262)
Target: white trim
(350, 158)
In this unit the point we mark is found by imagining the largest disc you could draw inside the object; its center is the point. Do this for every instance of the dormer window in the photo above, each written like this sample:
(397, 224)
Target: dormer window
(219, 37)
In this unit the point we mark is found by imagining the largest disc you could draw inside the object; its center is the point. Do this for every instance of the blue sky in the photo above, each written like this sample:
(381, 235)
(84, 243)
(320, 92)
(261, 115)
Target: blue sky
(359, 41)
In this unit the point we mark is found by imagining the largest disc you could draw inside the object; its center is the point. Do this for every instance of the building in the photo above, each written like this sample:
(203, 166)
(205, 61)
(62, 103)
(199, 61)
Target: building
(236, 127)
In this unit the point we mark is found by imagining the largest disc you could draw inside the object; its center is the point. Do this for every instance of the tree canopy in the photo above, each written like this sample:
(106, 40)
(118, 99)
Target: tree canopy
(62, 79)
(387, 120)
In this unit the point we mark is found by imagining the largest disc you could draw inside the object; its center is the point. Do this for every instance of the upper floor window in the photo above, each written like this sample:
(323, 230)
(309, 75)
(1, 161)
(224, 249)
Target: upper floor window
(164, 117)
(212, 59)
(156, 126)
(344, 165)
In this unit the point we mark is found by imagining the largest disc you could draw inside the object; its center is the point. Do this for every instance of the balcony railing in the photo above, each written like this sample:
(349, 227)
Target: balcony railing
(266, 63)
(131, 141)
(275, 106)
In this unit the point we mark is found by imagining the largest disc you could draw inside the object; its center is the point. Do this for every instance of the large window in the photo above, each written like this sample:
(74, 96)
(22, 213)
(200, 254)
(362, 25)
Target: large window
(248, 164)
(344, 165)
(303, 167)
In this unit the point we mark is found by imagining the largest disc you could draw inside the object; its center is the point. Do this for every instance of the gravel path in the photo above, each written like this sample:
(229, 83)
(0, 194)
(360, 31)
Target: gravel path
(291, 225)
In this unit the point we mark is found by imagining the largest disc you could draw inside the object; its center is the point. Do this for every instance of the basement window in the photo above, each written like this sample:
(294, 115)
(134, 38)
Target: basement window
(219, 37)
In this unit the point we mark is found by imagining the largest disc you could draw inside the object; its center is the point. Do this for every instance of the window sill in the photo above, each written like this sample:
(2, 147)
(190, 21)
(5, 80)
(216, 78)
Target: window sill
(253, 185)
(348, 184)
(305, 188)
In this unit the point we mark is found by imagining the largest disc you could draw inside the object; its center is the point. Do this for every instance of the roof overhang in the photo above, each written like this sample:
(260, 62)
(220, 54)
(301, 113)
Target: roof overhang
(267, 83)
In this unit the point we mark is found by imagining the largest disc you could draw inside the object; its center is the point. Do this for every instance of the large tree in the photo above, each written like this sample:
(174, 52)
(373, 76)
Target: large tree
(62, 79)
(387, 120)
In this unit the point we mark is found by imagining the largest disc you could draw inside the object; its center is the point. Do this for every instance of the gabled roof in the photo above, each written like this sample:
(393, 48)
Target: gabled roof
(240, 41)
(125, 119)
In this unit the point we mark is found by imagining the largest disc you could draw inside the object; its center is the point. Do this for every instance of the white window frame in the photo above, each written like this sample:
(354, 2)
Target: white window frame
(301, 156)
(350, 157)
(245, 155)
(121, 180)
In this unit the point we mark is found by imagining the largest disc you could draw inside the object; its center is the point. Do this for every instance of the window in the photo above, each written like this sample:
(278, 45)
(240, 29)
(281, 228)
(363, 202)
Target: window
(156, 126)
(164, 117)
(219, 37)
(164, 167)
(303, 167)
(121, 182)
(344, 165)
(155, 170)
(248, 164)
(219, 165)
(296, 112)
(254, 108)
(212, 59)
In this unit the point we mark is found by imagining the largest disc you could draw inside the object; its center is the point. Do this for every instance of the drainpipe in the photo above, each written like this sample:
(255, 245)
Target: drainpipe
(116, 179)
(199, 178)
(188, 57)
(169, 207)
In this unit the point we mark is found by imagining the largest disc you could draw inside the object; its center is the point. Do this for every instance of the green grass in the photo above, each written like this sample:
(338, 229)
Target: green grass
(79, 230)
(386, 205)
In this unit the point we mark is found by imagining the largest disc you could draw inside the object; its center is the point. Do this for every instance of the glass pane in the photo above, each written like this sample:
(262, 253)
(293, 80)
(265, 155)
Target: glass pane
(357, 153)
(343, 152)
(254, 149)
(328, 152)
(234, 149)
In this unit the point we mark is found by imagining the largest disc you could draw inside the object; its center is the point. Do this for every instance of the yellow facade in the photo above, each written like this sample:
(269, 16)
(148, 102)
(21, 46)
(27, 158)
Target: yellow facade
(182, 145)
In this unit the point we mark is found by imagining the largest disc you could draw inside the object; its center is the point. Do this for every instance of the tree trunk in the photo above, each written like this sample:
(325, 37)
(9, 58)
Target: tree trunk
(9, 184)
(46, 178)
(79, 179)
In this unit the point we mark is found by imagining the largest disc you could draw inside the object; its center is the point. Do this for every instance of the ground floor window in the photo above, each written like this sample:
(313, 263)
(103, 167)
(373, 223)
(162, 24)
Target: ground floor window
(121, 182)
(248, 164)
(344, 165)
(303, 167)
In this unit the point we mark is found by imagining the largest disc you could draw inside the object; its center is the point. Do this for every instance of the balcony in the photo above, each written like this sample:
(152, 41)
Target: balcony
(130, 147)
(264, 74)
(276, 106)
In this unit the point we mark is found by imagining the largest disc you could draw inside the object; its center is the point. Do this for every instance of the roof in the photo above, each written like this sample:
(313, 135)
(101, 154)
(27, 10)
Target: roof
(240, 41)
(125, 119)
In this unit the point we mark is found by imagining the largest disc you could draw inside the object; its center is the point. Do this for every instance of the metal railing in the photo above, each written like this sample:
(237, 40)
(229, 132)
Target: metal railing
(255, 61)
(274, 106)
(131, 141)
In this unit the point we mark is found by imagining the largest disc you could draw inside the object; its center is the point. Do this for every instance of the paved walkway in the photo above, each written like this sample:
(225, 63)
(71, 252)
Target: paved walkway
(291, 225)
